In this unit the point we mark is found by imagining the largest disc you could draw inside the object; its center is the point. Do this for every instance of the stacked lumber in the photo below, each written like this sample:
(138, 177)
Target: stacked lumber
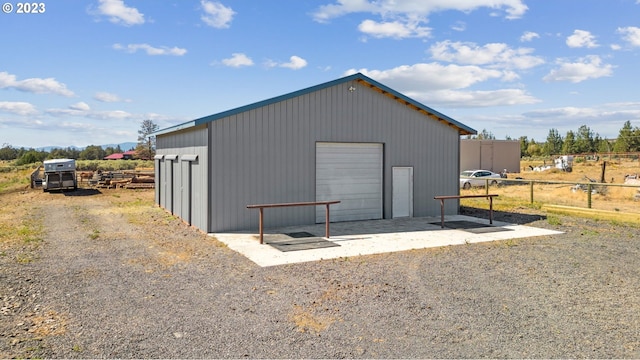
(141, 182)
(113, 180)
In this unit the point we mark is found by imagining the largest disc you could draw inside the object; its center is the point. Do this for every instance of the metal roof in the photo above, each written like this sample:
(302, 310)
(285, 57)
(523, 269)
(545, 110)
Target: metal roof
(360, 78)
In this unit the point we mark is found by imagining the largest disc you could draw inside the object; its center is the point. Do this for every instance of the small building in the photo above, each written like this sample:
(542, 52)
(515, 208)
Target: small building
(379, 152)
(492, 155)
(127, 155)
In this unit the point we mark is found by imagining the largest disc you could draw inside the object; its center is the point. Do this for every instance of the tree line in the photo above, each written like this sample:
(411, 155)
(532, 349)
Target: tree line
(22, 156)
(582, 141)
(28, 156)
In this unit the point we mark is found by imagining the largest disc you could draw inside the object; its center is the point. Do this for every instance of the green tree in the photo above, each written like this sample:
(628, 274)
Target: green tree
(584, 140)
(485, 135)
(92, 152)
(146, 142)
(569, 144)
(32, 156)
(553, 146)
(7, 152)
(524, 145)
(624, 141)
(534, 149)
(635, 139)
(601, 145)
(66, 153)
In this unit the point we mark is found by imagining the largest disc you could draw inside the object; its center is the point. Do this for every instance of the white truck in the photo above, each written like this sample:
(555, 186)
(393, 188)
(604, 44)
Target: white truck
(59, 174)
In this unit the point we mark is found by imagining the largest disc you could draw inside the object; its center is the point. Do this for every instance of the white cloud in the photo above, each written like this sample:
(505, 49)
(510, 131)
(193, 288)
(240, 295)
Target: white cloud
(529, 36)
(119, 13)
(34, 85)
(630, 34)
(459, 26)
(151, 50)
(590, 67)
(564, 112)
(393, 29)
(17, 107)
(606, 118)
(494, 54)
(295, 63)
(412, 8)
(238, 60)
(80, 106)
(580, 39)
(108, 97)
(447, 89)
(462, 99)
(83, 110)
(216, 15)
(420, 77)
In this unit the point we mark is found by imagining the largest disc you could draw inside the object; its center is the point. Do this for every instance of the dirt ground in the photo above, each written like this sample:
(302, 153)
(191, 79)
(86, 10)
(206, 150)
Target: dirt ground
(106, 274)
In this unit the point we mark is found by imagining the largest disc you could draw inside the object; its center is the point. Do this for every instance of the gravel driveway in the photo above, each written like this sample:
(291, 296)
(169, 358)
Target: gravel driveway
(111, 280)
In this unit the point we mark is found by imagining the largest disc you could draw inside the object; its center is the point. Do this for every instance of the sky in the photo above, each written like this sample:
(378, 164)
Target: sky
(78, 73)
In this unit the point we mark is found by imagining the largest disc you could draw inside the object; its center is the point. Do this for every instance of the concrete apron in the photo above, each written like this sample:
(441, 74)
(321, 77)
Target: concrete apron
(369, 237)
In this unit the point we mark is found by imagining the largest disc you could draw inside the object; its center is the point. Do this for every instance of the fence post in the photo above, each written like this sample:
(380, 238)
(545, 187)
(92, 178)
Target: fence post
(531, 191)
(589, 195)
(486, 188)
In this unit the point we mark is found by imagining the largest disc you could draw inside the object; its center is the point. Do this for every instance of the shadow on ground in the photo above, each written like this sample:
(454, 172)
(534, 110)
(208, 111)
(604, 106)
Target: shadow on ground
(80, 192)
(504, 216)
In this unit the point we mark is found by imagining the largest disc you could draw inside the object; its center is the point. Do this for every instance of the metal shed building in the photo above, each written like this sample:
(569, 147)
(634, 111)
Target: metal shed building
(380, 153)
(493, 155)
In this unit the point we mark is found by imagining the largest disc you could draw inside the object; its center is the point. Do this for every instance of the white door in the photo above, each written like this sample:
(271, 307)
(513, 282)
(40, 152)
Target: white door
(402, 192)
(351, 173)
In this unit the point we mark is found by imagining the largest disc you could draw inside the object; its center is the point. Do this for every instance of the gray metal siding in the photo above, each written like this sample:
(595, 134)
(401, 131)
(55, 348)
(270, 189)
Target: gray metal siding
(193, 141)
(157, 163)
(267, 154)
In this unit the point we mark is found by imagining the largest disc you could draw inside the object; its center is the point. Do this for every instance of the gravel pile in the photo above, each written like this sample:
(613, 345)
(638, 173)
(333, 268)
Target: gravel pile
(111, 281)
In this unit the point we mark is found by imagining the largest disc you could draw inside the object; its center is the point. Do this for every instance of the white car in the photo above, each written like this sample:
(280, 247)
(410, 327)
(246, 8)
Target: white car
(471, 178)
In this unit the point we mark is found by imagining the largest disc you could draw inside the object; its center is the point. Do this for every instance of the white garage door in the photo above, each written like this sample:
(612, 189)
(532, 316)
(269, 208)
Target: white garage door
(351, 173)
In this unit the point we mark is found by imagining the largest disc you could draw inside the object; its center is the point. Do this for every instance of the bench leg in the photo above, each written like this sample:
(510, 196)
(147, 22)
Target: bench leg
(491, 210)
(442, 213)
(326, 222)
(261, 222)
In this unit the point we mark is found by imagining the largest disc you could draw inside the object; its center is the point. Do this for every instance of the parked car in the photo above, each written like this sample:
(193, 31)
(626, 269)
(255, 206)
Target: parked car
(469, 178)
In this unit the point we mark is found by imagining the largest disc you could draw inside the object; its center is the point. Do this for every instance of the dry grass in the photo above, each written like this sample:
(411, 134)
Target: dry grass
(14, 178)
(614, 199)
(19, 223)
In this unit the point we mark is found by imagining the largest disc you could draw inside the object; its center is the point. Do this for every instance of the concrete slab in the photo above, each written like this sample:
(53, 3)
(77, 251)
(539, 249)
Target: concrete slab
(372, 237)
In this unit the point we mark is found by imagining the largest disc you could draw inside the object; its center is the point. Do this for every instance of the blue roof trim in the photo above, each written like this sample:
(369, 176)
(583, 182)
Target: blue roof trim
(188, 124)
(463, 129)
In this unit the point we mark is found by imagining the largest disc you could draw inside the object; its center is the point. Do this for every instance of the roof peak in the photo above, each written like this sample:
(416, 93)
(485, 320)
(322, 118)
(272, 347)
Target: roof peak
(360, 77)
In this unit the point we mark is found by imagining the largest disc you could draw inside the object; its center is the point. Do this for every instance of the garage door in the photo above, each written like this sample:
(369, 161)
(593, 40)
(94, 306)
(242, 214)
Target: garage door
(351, 173)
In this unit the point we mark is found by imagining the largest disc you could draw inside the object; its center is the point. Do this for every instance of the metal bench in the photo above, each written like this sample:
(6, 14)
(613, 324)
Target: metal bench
(446, 197)
(261, 207)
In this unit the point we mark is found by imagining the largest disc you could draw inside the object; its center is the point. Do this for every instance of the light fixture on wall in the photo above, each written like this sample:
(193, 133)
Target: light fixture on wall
(352, 88)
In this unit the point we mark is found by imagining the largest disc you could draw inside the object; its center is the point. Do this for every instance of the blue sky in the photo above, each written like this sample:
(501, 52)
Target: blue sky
(88, 72)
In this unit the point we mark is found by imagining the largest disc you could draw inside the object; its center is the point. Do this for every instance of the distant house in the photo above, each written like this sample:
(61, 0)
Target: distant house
(127, 155)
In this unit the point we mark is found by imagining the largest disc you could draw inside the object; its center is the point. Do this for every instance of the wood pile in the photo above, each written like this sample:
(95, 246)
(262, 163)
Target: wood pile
(141, 182)
(114, 180)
